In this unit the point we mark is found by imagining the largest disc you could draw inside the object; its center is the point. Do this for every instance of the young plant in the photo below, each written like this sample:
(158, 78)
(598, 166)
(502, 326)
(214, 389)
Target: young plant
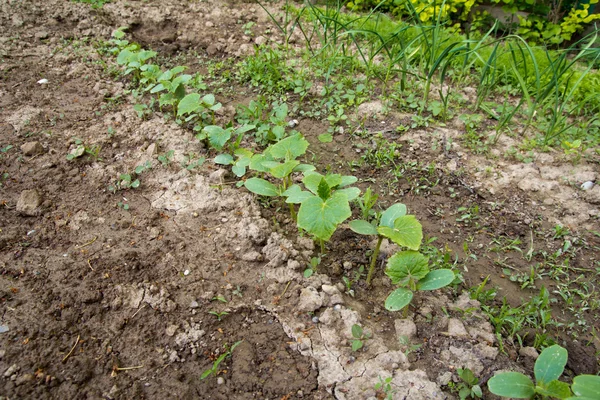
(469, 387)
(218, 314)
(278, 160)
(312, 267)
(366, 203)
(194, 107)
(326, 205)
(360, 336)
(547, 369)
(393, 224)
(81, 149)
(171, 85)
(410, 270)
(214, 370)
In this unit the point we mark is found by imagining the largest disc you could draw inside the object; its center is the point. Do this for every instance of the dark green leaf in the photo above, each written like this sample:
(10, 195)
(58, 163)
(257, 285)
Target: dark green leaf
(405, 266)
(323, 190)
(322, 217)
(550, 364)
(436, 279)
(586, 386)
(261, 187)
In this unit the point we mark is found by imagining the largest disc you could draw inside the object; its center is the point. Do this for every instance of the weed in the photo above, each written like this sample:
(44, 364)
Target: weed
(214, 370)
(360, 336)
(312, 267)
(82, 149)
(166, 158)
(406, 346)
(385, 386)
(468, 387)
(219, 315)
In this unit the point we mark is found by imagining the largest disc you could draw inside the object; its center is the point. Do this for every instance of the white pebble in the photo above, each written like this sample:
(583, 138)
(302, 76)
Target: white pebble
(220, 380)
(587, 185)
(42, 81)
(186, 272)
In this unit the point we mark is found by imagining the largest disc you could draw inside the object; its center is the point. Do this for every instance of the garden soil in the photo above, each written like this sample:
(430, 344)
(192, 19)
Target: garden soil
(135, 294)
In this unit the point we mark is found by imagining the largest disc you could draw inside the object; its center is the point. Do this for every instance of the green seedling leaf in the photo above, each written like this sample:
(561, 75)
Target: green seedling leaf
(550, 364)
(308, 273)
(224, 159)
(586, 387)
(257, 163)
(289, 148)
(325, 138)
(347, 180)
(391, 214)
(407, 231)
(398, 299)
(304, 168)
(217, 136)
(323, 190)
(351, 193)
(295, 195)
(362, 227)
(261, 187)
(436, 279)
(135, 184)
(357, 345)
(189, 104)
(405, 266)
(512, 384)
(556, 389)
(312, 180)
(206, 374)
(209, 100)
(282, 170)
(321, 217)
(357, 331)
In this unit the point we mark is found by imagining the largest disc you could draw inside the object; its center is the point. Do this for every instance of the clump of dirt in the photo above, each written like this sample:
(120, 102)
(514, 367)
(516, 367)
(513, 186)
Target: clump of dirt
(134, 293)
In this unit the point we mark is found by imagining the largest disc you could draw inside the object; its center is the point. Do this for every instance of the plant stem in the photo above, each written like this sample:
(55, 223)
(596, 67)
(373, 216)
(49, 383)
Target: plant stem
(292, 211)
(374, 260)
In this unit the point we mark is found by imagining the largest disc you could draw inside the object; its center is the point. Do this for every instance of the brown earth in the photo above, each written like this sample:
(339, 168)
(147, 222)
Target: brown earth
(135, 294)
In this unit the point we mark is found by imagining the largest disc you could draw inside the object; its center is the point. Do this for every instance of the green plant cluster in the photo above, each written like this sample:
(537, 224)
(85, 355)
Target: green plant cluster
(548, 368)
(535, 20)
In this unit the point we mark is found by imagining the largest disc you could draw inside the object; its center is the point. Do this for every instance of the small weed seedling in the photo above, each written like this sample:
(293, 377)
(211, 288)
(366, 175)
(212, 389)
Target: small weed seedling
(385, 386)
(214, 370)
(314, 263)
(366, 203)
(360, 336)
(82, 149)
(165, 159)
(218, 314)
(406, 346)
(468, 388)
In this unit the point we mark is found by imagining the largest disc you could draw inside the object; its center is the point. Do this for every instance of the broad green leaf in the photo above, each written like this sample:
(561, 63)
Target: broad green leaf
(347, 180)
(555, 389)
(322, 217)
(512, 384)
(357, 331)
(323, 190)
(242, 152)
(407, 231)
(289, 148)
(217, 136)
(124, 57)
(244, 128)
(304, 168)
(389, 216)
(586, 386)
(281, 170)
(398, 299)
(189, 104)
(224, 159)
(436, 279)
(362, 227)
(158, 88)
(357, 345)
(350, 193)
(257, 163)
(261, 187)
(209, 99)
(550, 364)
(325, 138)
(238, 170)
(405, 266)
(312, 180)
(295, 195)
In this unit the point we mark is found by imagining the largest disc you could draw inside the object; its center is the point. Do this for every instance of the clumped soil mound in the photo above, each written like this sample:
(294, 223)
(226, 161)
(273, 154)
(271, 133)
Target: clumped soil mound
(136, 293)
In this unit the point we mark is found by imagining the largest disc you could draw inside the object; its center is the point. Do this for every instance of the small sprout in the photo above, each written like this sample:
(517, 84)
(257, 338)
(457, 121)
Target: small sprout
(218, 314)
(359, 336)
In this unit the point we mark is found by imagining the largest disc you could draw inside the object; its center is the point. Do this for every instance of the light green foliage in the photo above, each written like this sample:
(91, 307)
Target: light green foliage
(585, 387)
(548, 368)
(270, 125)
(469, 387)
(360, 336)
(214, 370)
(83, 149)
(93, 3)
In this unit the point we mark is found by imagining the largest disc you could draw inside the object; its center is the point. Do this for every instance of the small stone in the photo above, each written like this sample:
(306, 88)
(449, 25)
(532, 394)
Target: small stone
(28, 203)
(456, 328)
(260, 40)
(32, 148)
(309, 300)
(186, 272)
(293, 123)
(151, 150)
(220, 380)
(530, 352)
(3, 328)
(218, 177)
(11, 370)
(405, 327)
(43, 81)
(171, 329)
(194, 304)
(41, 35)
(209, 24)
(315, 320)
(587, 185)
(347, 265)
(24, 379)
